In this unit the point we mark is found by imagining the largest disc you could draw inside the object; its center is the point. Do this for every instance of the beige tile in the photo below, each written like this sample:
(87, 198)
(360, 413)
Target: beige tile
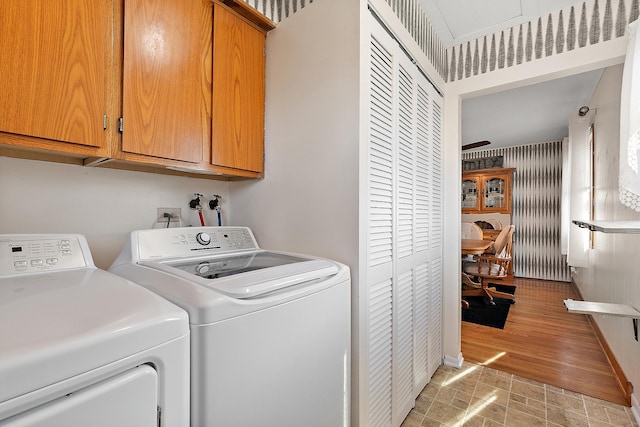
(631, 417)
(444, 413)
(428, 422)
(446, 395)
(596, 411)
(618, 417)
(535, 410)
(430, 390)
(528, 381)
(488, 392)
(491, 423)
(422, 404)
(565, 417)
(516, 418)
(414, 419)
(566, 402)
(466, 384)
(596, 423)
(439, 377)
(483, 397)
(496, 379)
(528, 390)
(461, 400)
(491, 411)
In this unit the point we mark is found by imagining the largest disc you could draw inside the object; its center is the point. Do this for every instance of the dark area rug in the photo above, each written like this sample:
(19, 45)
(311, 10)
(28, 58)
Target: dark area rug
(489, 315)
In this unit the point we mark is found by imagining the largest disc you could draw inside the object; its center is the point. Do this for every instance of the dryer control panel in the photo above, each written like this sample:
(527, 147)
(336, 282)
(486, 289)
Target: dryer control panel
(24, 254)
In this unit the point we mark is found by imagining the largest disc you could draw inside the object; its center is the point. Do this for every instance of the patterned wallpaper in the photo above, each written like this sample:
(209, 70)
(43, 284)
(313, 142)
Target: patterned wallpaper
(277, 10)
(409, 12)
(587, 23)
(537, 193)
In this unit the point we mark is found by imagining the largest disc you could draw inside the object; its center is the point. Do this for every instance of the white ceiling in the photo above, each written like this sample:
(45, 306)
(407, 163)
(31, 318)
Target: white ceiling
(457, 21)
(531, 114)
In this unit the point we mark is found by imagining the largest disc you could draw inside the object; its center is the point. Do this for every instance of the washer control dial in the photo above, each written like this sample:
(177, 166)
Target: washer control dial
(203, 238)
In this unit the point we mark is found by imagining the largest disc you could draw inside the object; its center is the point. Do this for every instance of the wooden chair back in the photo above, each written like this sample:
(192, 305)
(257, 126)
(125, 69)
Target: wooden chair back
(504, 241)
(471, 230)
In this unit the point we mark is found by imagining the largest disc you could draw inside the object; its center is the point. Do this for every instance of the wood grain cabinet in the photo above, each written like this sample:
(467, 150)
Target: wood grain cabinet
(56, 67)
(238, 93)
(486, 191)
(162, 83)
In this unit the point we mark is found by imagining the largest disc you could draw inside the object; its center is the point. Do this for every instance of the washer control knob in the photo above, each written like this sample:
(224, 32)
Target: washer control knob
(203, 238)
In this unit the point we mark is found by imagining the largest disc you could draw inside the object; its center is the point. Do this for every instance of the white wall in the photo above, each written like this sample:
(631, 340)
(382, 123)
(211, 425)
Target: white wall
(612, 274)
(311, 137)
(102, 204)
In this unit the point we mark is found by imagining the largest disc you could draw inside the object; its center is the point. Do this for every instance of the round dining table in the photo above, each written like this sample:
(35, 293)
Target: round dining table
(475, 246)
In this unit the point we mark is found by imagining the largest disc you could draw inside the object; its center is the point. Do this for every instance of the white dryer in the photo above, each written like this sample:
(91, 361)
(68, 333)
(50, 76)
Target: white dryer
(80, 346)
(270, 331)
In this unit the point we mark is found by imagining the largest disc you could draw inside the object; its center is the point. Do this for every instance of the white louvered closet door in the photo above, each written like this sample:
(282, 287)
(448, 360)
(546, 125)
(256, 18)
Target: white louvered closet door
(403, 280)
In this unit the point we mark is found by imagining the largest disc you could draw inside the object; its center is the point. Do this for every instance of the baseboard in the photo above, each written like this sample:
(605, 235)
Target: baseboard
(635, 408)
(623, 383)
(453, 361)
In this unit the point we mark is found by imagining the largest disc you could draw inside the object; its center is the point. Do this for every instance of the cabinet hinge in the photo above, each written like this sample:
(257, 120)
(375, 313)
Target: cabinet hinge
(159, 416)
(120, 124)
(104, 122)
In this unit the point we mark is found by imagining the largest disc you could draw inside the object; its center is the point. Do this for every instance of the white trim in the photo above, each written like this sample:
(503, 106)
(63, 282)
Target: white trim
(635, 408)
(453, 361)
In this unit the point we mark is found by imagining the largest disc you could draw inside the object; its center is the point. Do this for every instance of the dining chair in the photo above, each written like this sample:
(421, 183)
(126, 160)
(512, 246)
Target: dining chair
(489, 267)
(470, 230)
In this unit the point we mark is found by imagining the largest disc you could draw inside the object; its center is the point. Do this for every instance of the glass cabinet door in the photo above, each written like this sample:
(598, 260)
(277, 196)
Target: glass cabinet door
(494, 193)
(470, 193)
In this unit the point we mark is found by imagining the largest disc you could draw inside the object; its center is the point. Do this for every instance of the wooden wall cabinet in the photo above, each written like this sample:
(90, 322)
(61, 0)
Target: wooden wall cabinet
(131, 83)
(238, 93)
(487, 190)
(56, 65)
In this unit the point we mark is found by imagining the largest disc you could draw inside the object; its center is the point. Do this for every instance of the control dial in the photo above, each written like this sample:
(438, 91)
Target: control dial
(203, 238)
(202, 268)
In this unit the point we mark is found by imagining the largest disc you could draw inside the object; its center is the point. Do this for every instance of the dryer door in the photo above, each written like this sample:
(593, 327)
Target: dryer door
(125, 400)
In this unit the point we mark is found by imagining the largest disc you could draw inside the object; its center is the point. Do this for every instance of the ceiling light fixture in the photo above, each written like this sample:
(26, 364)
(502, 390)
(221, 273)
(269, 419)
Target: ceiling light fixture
(583, 111)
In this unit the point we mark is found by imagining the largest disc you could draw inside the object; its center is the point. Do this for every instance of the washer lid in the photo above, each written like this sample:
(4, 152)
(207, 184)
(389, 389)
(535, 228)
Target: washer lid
(57, 325)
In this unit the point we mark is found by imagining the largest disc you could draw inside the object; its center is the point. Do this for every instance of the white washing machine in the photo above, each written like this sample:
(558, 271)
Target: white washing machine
(80, 346)
(270, 331)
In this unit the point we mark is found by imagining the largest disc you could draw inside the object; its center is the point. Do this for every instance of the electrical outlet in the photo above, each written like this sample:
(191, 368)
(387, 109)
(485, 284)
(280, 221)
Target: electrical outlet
(173, 212)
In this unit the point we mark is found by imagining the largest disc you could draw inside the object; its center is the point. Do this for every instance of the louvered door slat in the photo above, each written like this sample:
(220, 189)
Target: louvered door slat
(423, 167)
(403, 343)
(380, 156)
(380, 356)
(421, 327)
(405, 168)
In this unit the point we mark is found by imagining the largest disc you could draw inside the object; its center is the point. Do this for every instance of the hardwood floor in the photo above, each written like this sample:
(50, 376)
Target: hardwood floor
(541, 341)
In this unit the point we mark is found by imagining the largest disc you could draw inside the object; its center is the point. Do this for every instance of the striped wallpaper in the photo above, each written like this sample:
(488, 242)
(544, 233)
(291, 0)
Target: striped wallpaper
(277, 10)
(537, 192)
(586, 23)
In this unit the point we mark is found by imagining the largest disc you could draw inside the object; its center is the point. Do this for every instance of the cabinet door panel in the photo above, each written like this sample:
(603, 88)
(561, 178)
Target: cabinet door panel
(56, 57)
(238, 93)
(164, 62)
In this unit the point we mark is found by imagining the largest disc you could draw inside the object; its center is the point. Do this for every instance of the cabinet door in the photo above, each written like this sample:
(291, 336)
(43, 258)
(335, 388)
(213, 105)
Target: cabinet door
(164, 108)
(471, 194)
(496, 193)
(238, 93)
(55, 68)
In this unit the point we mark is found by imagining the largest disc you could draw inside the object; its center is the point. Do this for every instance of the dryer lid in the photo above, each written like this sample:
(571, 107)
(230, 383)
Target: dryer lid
(61, 324)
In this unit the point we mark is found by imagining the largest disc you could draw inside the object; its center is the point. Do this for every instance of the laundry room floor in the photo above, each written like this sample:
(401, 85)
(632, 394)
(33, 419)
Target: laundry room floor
(479, 396)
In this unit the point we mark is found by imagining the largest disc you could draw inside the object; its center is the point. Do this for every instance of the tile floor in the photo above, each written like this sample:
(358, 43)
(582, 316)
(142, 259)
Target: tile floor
(479, 396)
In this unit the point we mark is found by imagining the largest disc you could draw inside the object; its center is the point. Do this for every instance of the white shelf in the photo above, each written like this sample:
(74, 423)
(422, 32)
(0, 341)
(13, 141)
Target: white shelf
(608, 309)
(628, 227)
